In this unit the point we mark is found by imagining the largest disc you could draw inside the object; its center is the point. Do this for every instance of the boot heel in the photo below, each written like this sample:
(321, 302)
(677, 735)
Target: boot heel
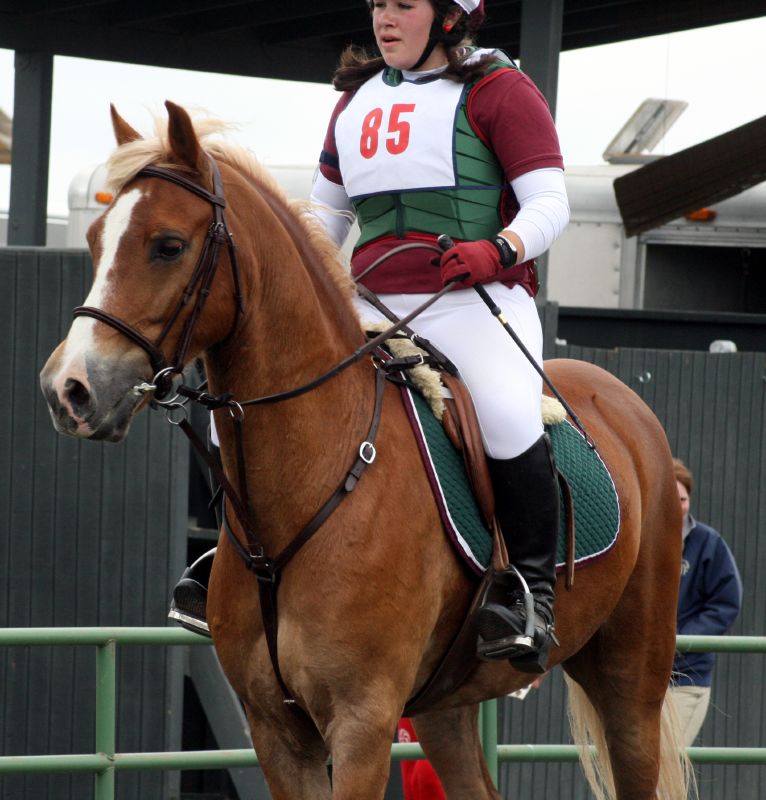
(507, 649)
(534, 662)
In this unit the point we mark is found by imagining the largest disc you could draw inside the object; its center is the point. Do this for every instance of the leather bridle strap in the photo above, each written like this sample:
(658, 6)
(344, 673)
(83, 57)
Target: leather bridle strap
(156, 357)
(242, 511)
(370, 346)
(200, 282)
(267, 570)
(424, 344)
(268, 574)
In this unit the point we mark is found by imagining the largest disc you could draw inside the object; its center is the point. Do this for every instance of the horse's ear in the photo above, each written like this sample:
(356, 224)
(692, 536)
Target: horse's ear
(122, 131)
(182, 139)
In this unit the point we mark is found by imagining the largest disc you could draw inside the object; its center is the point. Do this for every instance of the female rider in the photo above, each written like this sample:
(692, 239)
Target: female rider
(438, 137)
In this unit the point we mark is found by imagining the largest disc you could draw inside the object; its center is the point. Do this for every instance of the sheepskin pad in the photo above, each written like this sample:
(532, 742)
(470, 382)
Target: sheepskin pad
(429, 384)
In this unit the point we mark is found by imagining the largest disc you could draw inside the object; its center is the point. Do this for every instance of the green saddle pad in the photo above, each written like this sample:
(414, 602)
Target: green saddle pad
(596, 507)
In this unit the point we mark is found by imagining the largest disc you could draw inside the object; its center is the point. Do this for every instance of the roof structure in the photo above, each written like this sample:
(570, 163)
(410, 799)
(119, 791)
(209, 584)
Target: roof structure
(301, 39)
(287, 39)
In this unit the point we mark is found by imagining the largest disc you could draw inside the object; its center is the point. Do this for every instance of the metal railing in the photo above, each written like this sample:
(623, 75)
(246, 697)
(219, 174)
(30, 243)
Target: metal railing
(105, 762)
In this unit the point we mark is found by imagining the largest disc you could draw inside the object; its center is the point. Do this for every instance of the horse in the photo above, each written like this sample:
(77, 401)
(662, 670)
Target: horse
(369, 604)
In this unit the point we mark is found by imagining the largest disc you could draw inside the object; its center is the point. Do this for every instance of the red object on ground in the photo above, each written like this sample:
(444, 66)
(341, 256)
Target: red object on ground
(419, 778)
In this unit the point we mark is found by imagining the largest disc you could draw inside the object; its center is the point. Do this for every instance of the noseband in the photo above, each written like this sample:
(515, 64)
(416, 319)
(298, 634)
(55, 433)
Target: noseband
(200, 282)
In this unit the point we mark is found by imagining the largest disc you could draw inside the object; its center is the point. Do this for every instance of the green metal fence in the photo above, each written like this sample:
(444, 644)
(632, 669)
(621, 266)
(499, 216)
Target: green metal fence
(105, 762)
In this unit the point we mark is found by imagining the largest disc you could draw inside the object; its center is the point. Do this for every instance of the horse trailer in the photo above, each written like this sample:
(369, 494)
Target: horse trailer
(714, 260)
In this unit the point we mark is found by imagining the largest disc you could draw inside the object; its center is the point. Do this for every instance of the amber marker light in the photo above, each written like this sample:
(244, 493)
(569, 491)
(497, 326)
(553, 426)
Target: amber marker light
(701, 215)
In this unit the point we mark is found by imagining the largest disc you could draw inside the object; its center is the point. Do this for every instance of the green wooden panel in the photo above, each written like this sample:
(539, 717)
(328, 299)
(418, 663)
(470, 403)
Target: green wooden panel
(90, 534)
(713, 408)
(549, 319)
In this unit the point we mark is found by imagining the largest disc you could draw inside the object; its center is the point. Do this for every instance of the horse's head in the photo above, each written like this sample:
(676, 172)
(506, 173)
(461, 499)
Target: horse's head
(154, 255)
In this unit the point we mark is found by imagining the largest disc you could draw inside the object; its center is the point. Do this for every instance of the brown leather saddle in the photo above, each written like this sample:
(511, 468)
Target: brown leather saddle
(462, 428)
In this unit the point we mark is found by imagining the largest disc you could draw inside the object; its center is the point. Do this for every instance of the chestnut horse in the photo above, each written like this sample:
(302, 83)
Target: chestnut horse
(368, 606)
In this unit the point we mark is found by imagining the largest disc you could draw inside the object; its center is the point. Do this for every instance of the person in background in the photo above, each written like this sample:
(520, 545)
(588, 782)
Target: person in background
(419, 778)
(709, 599)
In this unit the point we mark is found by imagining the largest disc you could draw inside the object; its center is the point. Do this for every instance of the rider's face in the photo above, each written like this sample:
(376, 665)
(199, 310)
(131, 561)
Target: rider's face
(401, 30)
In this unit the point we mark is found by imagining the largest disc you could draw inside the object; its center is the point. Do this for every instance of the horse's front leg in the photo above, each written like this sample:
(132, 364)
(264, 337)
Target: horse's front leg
(291, 753)
(450, 740)
(359, 735)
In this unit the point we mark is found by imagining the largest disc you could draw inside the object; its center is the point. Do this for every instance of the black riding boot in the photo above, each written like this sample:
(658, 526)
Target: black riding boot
(527, 508)
(189, 603)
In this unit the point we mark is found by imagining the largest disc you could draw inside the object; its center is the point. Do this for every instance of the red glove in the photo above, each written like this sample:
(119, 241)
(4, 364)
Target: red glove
(477, 261)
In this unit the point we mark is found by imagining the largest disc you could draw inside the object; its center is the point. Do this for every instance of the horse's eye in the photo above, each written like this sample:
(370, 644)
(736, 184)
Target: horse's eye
(169, 249)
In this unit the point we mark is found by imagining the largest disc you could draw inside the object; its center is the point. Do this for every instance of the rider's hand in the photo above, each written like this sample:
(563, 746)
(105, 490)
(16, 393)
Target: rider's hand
(477, 261)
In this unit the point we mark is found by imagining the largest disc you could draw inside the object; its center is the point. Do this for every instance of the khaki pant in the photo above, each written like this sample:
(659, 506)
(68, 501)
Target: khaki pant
(691, 703)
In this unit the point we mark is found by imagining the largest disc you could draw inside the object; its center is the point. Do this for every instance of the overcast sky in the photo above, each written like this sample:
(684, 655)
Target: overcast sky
(718, 70)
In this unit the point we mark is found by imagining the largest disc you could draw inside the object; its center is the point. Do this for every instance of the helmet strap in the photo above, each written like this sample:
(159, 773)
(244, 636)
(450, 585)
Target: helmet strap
(434, 38)
(439, 34)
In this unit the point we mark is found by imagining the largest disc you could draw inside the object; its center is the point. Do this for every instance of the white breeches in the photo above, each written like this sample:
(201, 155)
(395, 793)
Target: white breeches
(504, 386)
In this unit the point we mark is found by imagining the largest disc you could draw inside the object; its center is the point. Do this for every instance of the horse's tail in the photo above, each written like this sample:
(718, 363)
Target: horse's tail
(676, 781)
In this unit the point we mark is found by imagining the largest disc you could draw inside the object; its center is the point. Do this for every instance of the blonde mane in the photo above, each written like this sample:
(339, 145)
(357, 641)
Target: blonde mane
(130, 158)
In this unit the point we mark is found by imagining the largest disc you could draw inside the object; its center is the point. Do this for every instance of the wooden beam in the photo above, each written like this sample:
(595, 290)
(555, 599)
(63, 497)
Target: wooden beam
(692, 178)
(33, 87)
(232, 55)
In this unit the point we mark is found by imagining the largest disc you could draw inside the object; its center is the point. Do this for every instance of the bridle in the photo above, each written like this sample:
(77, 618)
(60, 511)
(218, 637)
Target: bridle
(266, 569)
(199, 283)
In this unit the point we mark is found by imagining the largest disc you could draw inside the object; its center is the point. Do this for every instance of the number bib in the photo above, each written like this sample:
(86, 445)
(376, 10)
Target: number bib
(399, 138)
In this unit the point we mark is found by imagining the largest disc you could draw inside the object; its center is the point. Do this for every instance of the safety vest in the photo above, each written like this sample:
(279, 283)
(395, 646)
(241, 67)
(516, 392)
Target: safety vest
(412, 162)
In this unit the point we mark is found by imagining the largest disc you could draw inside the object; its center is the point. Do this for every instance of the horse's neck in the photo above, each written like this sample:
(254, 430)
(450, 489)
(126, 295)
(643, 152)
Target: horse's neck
(297, 324)
(297, 451)
(296, 328)
(298, 314)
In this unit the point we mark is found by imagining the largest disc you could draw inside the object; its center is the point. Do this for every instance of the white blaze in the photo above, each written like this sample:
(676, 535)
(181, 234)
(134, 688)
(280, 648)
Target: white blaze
(80, 337)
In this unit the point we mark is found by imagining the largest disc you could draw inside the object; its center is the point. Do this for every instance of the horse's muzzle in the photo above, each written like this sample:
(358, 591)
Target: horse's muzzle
(89, 403)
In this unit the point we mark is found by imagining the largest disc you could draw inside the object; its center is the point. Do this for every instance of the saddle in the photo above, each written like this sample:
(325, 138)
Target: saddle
(458, 417)
(462, 428)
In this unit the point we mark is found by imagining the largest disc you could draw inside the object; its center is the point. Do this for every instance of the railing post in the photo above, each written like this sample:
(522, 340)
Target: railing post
(488, 733)
(106, 715)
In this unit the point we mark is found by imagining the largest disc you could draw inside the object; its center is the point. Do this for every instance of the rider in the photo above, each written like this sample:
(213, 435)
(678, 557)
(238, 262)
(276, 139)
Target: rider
(437, 136)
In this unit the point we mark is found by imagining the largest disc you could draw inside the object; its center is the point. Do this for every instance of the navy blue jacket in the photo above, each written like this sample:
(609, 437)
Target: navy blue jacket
(708, 601)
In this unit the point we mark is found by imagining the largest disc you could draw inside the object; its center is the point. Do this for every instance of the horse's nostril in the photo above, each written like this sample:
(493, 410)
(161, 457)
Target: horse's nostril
(77, 394)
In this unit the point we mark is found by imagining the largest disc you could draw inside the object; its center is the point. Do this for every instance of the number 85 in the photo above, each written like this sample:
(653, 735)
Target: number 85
(398, 130)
